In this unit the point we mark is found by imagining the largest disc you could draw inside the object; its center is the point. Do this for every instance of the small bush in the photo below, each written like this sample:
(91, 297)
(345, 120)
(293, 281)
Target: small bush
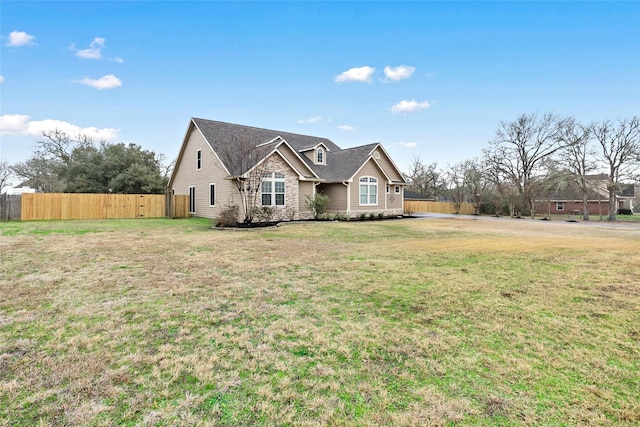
(228, 216)
(317, 204)
(624, 211)
(263, 213)
(363, 216)
(373, 215)
(380, 215)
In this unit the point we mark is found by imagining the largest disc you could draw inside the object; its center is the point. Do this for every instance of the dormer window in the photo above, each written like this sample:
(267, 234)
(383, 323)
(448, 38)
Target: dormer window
(320, 156)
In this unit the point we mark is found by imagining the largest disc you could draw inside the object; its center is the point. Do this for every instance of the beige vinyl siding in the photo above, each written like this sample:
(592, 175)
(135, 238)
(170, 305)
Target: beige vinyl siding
(386, 164)
(369, 169)
(295, 161)
(305, 188)
(337, 196)
(212, 172)
(309, 154)
(394, 201)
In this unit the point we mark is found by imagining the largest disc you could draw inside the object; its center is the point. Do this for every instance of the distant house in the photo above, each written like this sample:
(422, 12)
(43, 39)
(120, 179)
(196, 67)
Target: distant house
(216, 156)
(629, 197)
(20, 190)
(569, 199)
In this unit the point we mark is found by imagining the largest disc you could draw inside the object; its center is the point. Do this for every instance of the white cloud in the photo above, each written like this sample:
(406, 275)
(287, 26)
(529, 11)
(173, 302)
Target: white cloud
(398, 73)
(405, 106)
(93, 52)
(361, 74)
(118, 60)
(106, 82)
(347, 128)
(314, 119)
(1, 80)
(408, 144)
(20, 38)
(20, 125)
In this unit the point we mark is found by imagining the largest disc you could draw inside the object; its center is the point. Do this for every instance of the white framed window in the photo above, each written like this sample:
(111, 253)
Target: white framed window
(192, 199)
(212, 195)
(560, 206)
(320, 156)
(368, 191)
(396, 189)
(199, 159)
(273, 186)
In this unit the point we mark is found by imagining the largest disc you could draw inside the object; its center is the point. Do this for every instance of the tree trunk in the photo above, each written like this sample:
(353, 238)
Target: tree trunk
(585, 206)
(612, 206)
(611, 188)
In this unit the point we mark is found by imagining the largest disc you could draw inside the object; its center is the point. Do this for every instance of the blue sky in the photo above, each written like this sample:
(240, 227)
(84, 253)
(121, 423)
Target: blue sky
(427, 79)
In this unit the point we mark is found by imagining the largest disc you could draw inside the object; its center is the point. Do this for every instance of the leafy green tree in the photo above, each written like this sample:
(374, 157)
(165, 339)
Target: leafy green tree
(62, 163)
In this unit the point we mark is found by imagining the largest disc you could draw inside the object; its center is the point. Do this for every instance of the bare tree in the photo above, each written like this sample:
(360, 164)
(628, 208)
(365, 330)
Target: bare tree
(166, 167)
(578, 157)
(620, 153)
(6, 174)
(476, 182)
(247, 168)
(519, 149)
(504, 191)
(424, 179)
(40, 174)
(456, 186)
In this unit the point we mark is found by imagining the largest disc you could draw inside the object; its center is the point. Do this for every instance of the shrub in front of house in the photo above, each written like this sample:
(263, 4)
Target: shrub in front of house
(263, 213)
(228, 216)
(317, 204)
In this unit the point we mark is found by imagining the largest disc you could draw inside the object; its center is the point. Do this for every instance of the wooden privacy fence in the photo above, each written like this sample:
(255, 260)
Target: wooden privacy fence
(436, 207)
(47, 206)
(177, 206)
(9, 207)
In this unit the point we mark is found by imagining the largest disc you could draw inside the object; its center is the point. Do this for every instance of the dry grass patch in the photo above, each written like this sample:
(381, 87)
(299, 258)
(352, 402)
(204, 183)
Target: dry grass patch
(412, 322)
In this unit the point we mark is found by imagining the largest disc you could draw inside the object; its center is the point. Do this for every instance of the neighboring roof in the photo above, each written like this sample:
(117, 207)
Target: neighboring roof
(340, 165)
(571, 192)
(414, 195)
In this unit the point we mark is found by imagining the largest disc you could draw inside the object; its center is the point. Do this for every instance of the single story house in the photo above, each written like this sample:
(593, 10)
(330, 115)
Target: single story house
(218, 164)
(569, 199)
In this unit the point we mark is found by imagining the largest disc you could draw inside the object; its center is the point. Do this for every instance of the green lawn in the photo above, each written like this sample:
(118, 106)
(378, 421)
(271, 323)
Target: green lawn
(395, 322)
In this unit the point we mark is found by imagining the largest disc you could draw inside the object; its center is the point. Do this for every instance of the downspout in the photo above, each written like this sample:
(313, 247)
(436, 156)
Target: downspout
(348, 185)
(386, 196)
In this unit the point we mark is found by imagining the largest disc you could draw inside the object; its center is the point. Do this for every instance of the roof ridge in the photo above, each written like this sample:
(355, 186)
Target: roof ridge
(262, 129)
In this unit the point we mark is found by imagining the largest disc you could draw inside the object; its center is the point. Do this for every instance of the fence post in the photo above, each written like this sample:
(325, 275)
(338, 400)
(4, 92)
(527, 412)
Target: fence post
(168, 204)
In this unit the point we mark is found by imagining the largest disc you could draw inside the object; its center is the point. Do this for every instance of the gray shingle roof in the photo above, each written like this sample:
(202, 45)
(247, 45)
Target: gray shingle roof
(341, 164)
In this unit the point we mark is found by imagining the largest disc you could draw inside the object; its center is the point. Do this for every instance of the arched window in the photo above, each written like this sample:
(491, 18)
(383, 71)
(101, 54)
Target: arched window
(320, 155)
(368, 190)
